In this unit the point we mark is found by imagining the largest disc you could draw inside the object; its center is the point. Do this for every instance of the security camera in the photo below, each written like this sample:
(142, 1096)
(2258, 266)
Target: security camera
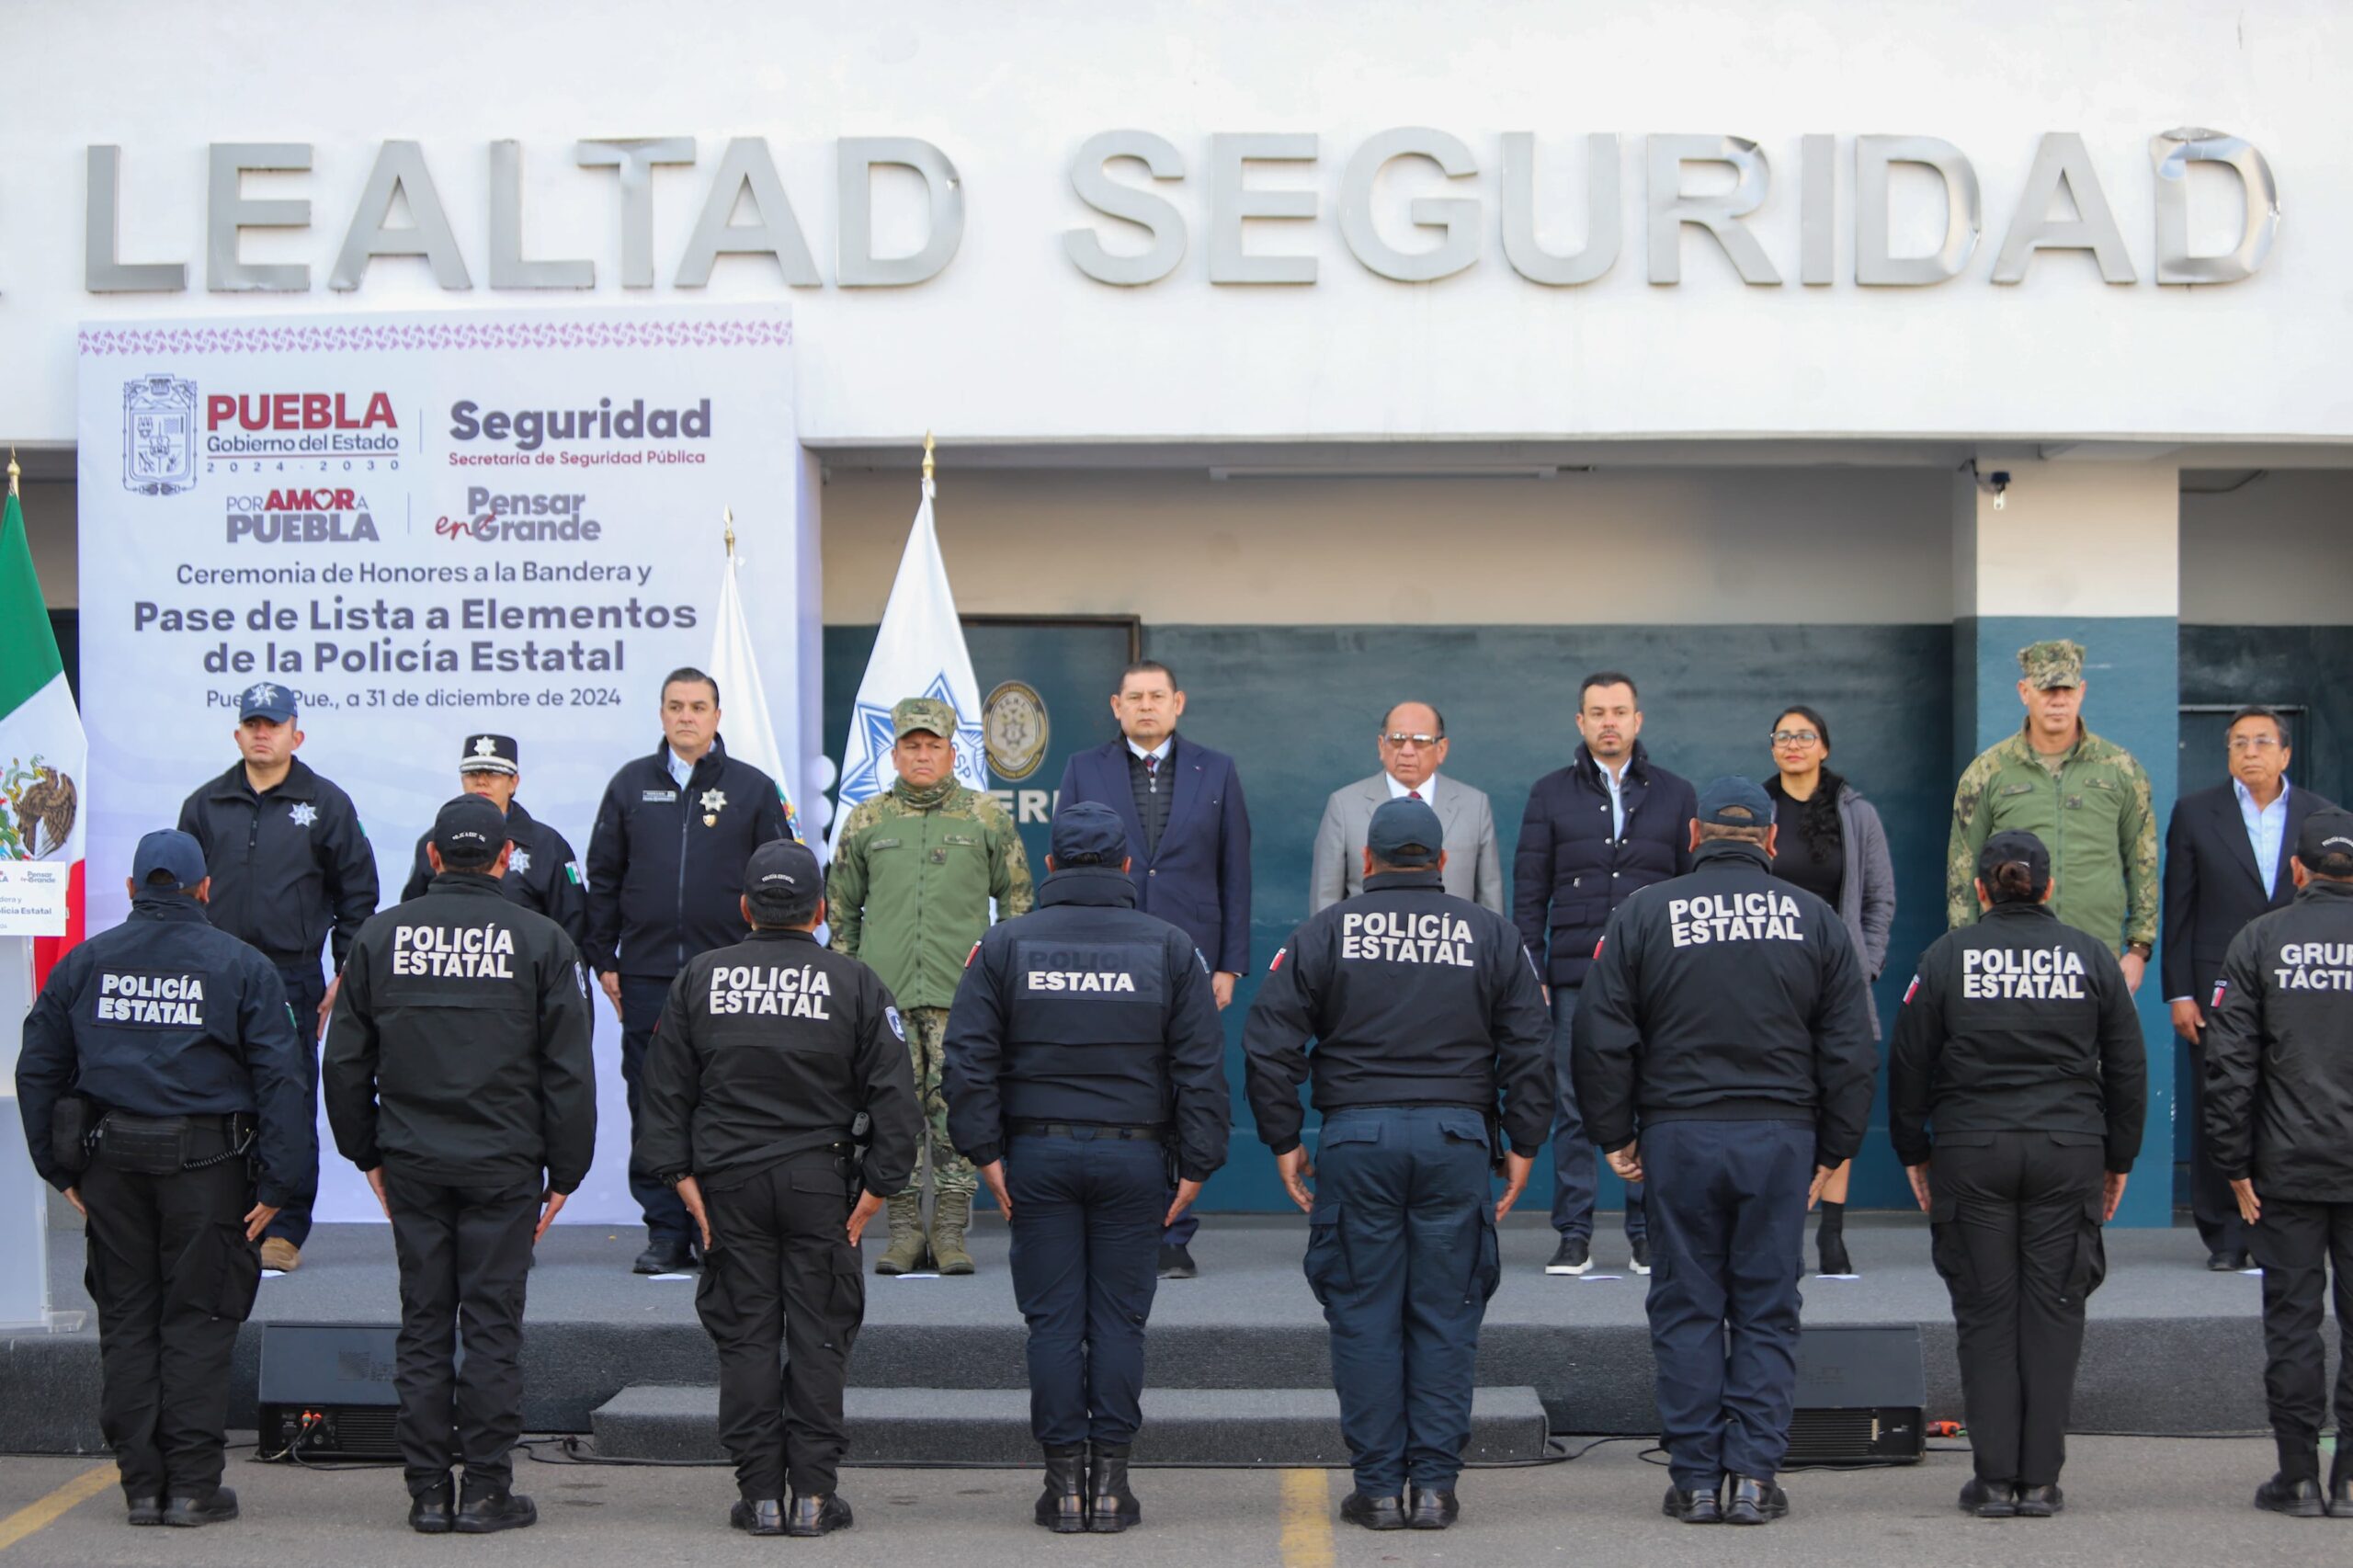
(2000, 480)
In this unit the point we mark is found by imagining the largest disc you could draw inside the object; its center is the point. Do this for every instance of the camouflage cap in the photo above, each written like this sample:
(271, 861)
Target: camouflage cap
(926, 714)
(2055, 662)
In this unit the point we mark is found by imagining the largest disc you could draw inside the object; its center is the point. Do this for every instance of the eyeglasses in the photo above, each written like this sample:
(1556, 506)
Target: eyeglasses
(1793, 737)
(1400, 738)
(2254, 742)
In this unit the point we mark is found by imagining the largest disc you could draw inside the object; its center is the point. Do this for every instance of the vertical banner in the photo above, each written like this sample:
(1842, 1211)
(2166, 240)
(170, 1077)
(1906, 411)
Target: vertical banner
(427, 526)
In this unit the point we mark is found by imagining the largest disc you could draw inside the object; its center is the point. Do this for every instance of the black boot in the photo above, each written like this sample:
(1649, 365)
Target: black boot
(432, 1511)
(1061, 1507)
(217, 1506)
(1831, 1240)
(1110, 1505)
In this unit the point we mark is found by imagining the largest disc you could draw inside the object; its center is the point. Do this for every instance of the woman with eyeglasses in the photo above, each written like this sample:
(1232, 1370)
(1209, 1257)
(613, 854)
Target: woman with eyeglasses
(1832, 844)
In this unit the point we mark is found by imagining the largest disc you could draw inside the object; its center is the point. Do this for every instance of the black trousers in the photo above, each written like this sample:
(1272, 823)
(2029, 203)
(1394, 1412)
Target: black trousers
(782, 1275)
(2305, 1249)
(173, 1275)
(2210, 1203)
(1086, 1258)
(2015, 1232)
(465, 1256)
(304, 991)
(666, 1217)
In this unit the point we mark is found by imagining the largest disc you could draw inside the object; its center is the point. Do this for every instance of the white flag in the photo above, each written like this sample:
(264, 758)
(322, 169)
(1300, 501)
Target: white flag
(918, 651)
(751, 733)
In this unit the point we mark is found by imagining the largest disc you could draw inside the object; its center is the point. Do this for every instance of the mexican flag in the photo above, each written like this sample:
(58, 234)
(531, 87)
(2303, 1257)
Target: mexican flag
(44, 761)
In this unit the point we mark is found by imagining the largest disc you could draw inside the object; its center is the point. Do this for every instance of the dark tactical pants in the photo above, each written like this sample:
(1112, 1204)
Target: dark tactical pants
(304, 991)
(782, 1275)
(173, 1275)
(1577, 1178)
(2301, 1247)
(2014, 1226)
(2210, 1203)
(1727, 1211)
(465, 1258)
(1401, 1251)
(1086, 1262)
(666, 1217)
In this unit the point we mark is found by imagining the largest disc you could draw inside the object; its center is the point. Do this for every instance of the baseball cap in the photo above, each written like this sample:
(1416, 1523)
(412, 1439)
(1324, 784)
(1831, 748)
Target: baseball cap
(266, 700)
(2015, 844)
(1405, 832)
(1736, 801)
(469, 828)
(1088, 831)
(781, 873)
(2053, 663)
(926, 714)
(2324, 833)
(168, 849)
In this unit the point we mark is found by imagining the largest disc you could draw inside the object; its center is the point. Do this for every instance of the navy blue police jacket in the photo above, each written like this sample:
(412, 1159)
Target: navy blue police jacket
(543, 876)
(290, 865)
(665, 864)
(167, 1015)
(1413, 997)
(1087, 1010)
(1726, 995)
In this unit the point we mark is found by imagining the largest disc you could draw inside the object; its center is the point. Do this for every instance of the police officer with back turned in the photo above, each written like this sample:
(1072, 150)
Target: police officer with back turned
(1724, 1020)
(1423, 1006)
(165, 1091)
(2280, 1121)
(1083, 1062)
(2018, 1043)
(769, 1055)
(458, 1079)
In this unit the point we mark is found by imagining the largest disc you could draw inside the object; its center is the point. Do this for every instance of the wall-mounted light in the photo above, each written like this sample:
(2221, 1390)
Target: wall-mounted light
(1996, 483)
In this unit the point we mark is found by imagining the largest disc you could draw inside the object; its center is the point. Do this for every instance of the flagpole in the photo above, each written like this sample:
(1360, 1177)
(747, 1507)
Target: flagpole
(14, 473)
(926, 458)
(727, 515)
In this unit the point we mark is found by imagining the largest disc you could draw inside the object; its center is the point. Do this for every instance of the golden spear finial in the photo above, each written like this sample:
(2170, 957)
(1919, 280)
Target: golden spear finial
(926, 456)
(728, 513)
(14, 473)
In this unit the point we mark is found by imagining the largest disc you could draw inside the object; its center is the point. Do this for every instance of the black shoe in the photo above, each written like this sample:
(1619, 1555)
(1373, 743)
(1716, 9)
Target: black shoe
(432, 1512)
(2041, 1501)
(1755, 1502)
(818, 1513)
(1112, 1505)
(1574, 1256)
(2297, 1499)
(1694, 1507)
(663, 1256)
(497, 1511)
(145, 1511)
(2222, 1263)
(1061, 1507)
(2340, 1497)
(1176, 1263)
(1373, 1513)
(1639, 1247)
(1433, 1509)
(1834, 1254)
(763, 1517)
(216, 1507)
(1990, 1499)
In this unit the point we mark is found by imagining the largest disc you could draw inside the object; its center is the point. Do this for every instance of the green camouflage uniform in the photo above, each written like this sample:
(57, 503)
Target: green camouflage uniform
(908, 894)
(2090, 807)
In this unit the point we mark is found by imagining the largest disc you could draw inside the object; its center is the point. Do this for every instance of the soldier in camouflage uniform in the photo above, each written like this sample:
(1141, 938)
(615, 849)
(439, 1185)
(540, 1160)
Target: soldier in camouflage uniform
(2083, 796)
(914, 870)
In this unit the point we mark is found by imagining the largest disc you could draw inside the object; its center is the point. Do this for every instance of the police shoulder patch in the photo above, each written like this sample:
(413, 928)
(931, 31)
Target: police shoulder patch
(890, 1016)
(971, 956)
(580, 973)
(1597, 942)
(2220, 985)
(1911, 991)
(572, 870)
(1281, 954)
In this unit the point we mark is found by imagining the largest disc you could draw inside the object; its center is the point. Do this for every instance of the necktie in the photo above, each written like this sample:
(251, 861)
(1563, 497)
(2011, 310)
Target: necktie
(1151, 774)
(1413, 794)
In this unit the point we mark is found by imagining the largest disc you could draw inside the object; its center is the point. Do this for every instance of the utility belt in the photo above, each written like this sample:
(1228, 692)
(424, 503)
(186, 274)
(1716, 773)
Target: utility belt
(1086, 1129)
(148, 1145)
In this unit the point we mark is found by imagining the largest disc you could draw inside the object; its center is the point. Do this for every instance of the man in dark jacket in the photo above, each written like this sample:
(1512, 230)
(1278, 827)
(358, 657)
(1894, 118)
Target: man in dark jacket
(1724, 1020)
(2279, 1120)
(666, 882)
(770, 1053)
(1595, 832)
(290, 865)
(2227, 854)
(1189, 844)
(165, 1017)
(1083, 1060)
(459, 1080)
(1423, 1008)
(543, 874)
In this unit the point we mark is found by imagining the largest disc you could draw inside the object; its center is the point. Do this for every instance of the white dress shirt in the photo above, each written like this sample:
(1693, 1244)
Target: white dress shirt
(1427, 789)
(680, 768)
(2265, 826)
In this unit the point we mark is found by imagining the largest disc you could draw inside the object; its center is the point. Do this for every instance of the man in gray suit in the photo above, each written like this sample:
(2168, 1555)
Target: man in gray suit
(1413, 748)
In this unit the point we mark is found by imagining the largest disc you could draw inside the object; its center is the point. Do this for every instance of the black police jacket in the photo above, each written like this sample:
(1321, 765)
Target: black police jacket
(167, 1016)
(2017, 1024)
(2280, 1051)
(666, 865)
(1087, 1010)
(543, 876)
(770, 1047)
(287, 865)
(1726, 995)
(459, 1045)
(1413, 997)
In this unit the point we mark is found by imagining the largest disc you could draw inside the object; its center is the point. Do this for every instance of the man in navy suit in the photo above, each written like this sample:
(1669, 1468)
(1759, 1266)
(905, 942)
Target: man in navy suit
(2227, 862)
(1189, 844)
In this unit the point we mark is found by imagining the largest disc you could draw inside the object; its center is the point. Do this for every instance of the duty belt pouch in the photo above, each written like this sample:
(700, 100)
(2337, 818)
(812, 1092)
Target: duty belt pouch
(70, 1123)
(143, 1145)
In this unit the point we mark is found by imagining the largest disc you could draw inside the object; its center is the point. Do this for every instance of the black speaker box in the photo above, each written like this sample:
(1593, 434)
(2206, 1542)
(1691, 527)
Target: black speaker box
(326, 1391)
(1861, 1399)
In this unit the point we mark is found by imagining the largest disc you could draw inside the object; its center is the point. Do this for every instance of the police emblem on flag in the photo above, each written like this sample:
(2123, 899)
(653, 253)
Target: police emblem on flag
(158, 436)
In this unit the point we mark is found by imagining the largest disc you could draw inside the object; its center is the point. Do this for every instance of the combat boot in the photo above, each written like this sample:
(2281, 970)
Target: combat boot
(904, 1254)
(951, 1213)
(1111, 1506)
(1061, 1507)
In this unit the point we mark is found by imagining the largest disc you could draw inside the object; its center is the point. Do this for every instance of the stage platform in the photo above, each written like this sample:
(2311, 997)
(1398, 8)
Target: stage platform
(2172, 1349)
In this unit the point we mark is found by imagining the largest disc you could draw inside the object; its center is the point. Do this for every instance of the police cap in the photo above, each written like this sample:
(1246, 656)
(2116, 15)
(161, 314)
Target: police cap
(490, 754)
(1088, 833)
(168, 849)
(782, 878)
(2014, 845)
(2324, 833)
(1736, 801)
(1404, 833)
(469, 828)
(266, 700)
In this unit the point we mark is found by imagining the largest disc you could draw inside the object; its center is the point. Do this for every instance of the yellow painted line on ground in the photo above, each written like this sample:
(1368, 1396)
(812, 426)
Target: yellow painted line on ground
(36, 1516)
(1307, 1520)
